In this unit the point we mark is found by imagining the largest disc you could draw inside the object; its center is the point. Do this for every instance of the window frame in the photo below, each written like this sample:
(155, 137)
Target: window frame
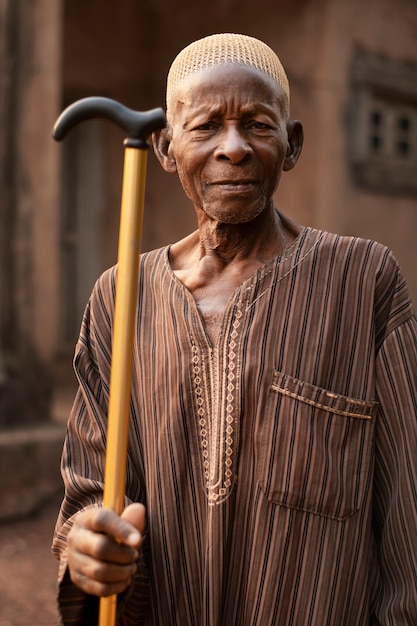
(387, 87)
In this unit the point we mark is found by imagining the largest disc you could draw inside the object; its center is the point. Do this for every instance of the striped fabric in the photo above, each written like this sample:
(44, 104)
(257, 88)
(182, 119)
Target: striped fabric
(279, 466)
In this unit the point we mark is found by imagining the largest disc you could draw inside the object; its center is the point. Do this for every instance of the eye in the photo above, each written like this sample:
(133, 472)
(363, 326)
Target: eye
(206, 126)
(257, 125)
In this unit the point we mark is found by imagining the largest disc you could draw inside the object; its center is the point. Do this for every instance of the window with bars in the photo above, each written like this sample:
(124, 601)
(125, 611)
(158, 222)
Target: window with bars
(392, 130)
(383, 125)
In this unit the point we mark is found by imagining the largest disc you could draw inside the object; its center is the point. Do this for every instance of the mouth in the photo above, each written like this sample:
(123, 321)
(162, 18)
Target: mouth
(234, 185)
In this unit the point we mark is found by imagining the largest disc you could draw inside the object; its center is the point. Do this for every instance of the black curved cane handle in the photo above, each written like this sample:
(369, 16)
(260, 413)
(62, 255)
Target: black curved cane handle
(138, 125)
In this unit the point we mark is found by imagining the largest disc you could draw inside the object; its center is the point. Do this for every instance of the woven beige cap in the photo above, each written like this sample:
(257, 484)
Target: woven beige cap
(225, 48)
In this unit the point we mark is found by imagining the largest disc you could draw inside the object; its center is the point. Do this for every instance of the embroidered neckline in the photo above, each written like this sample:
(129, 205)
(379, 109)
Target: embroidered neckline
(216, 378)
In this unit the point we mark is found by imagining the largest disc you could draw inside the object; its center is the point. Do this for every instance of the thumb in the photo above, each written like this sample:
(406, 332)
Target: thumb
(135, 514)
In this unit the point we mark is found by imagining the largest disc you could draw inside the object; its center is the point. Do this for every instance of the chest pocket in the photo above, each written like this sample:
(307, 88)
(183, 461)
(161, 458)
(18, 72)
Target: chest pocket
(313, 448)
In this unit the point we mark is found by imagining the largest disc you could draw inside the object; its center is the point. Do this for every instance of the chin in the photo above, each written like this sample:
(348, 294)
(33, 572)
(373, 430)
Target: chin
(234, 216)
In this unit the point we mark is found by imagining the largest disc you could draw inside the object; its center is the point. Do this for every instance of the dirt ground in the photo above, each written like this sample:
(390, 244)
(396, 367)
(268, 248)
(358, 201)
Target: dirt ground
(28, 570)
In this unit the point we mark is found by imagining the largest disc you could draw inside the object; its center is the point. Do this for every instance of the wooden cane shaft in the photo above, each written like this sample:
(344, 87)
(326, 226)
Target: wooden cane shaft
(133, 194)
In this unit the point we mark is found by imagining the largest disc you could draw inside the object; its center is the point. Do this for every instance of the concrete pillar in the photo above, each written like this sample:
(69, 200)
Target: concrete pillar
(30, 91)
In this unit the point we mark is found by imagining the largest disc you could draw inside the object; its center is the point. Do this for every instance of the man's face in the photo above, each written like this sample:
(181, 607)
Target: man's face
(229, 140)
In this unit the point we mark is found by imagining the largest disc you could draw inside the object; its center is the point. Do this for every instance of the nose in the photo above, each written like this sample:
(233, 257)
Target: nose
(233, 145)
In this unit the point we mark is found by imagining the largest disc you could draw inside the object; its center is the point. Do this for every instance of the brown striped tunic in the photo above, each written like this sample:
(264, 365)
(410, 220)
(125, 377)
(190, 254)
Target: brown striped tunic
(279, 466)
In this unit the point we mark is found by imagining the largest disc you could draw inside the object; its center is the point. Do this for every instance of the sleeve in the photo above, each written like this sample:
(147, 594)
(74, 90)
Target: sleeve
(82, 465)
(83, 457)
(395, 488)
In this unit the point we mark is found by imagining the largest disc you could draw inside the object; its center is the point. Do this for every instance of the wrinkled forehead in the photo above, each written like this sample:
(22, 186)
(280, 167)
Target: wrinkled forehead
(229, 89)
(225, 48)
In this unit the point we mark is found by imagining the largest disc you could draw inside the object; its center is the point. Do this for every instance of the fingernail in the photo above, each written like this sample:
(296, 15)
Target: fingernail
(134, 537)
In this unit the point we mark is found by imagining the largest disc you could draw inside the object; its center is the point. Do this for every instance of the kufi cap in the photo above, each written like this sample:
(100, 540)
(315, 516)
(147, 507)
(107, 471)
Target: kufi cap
(225, 48)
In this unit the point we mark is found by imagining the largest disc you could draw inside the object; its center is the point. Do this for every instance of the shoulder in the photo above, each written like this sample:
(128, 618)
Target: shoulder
(350, 254)
(374, 269)
(354, 248)
(105, 286)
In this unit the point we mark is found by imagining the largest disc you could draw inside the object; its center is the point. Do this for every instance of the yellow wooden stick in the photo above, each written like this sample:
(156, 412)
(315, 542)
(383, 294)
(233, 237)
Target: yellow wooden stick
(133, 193)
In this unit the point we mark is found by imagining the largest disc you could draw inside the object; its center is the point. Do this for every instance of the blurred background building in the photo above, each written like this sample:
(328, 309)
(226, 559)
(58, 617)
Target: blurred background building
(352, 68)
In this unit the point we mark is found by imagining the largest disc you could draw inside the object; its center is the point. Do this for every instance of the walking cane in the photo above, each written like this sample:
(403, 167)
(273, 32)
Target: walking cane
(138, 126)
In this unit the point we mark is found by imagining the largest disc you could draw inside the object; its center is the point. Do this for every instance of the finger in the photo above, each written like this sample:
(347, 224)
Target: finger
(101, 547)
(107, 521)
(100, 579)
(135, 514)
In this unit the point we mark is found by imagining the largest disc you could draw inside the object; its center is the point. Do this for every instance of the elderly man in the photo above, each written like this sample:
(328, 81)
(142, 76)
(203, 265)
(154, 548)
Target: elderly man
(272, 462)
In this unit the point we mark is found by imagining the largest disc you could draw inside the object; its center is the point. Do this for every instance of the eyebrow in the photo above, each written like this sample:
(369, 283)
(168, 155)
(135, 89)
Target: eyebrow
(251, 108)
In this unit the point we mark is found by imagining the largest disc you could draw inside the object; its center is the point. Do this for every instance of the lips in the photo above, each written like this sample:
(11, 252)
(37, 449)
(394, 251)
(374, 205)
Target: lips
(233, 184)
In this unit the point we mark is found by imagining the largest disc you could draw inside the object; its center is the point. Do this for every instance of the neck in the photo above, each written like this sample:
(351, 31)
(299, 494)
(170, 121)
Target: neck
(262, 238)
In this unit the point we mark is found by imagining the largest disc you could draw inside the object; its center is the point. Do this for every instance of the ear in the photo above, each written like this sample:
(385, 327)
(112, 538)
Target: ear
(295, 143)
(162, 147)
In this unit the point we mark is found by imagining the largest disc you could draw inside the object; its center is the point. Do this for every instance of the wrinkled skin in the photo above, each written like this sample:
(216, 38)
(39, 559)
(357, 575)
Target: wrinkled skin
(228, 139)
(103, 548)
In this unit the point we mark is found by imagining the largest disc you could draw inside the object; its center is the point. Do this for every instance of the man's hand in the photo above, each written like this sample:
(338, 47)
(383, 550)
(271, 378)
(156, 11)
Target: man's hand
(103, 548)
